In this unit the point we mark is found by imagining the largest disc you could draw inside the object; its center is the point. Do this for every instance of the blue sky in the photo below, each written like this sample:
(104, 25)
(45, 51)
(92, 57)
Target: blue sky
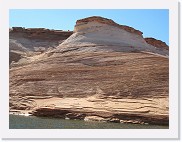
(153, 23)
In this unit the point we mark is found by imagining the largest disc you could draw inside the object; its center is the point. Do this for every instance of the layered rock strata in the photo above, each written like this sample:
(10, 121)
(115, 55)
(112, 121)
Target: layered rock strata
(157, 43)
(32, 41)
(101, 72)
(108, 22)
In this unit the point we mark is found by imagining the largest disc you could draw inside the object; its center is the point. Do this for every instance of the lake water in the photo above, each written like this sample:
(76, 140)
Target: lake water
(31, 122)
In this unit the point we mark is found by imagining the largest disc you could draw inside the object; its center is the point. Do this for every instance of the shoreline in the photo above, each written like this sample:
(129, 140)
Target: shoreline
(99, 122)
(33, 122)
(131, 119)
(88, 120)
(96, 108)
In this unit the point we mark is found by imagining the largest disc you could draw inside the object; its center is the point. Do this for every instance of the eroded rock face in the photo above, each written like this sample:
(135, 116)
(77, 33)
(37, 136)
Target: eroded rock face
(98, 31)
(40, 33)
(102, 81)
(32, 41)
(157, 43)
(108, 22)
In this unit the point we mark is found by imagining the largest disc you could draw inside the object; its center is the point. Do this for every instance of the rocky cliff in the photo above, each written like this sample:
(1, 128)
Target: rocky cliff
(102, 72)
(39, 33)
(104, 32)
(108, 22)
(28, 42)
(157, 43)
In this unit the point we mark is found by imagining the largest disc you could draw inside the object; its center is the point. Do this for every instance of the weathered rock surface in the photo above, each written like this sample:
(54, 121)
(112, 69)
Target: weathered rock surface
(108, 22)
(32, 41)
(157, 43)
(39, 33)
(95, 75)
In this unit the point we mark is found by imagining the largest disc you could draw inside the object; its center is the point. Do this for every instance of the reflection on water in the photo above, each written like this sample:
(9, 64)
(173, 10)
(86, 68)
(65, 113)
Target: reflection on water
(31, 122)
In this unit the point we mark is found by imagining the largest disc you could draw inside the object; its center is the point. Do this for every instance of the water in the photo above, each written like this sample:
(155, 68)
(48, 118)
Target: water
(31, 122)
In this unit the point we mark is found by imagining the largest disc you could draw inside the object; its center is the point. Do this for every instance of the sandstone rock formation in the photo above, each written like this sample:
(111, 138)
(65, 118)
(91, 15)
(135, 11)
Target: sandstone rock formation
(27, 42)
(157, 43)
(108, 22)
(102, 72)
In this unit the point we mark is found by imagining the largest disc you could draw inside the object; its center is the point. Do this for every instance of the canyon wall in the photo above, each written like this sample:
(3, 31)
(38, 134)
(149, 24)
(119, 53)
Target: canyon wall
(101, 72)
(27, 42)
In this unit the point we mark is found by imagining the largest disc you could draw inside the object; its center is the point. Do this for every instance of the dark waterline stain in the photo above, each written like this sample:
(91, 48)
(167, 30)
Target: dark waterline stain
(31, 122)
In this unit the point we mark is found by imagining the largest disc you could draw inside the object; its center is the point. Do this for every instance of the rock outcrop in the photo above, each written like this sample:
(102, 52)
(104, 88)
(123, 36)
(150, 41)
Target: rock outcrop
(157, 43)
(108, 22)
(32, 41)
(39, 33)
(101, 72)
(104, 32)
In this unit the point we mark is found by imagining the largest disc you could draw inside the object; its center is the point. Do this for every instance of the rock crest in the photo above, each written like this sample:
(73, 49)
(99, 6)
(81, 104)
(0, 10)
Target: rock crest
(157, 43)
(108, 22)
(40, 33)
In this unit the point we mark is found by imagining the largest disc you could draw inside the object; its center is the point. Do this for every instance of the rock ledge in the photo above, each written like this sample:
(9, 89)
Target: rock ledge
(108, 22)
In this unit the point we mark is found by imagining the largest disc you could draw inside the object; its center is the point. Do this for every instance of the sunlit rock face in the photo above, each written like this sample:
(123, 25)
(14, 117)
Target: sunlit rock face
(28, 42)
(157, 43)
(102, 72)
(110, 22)
(105, 32)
